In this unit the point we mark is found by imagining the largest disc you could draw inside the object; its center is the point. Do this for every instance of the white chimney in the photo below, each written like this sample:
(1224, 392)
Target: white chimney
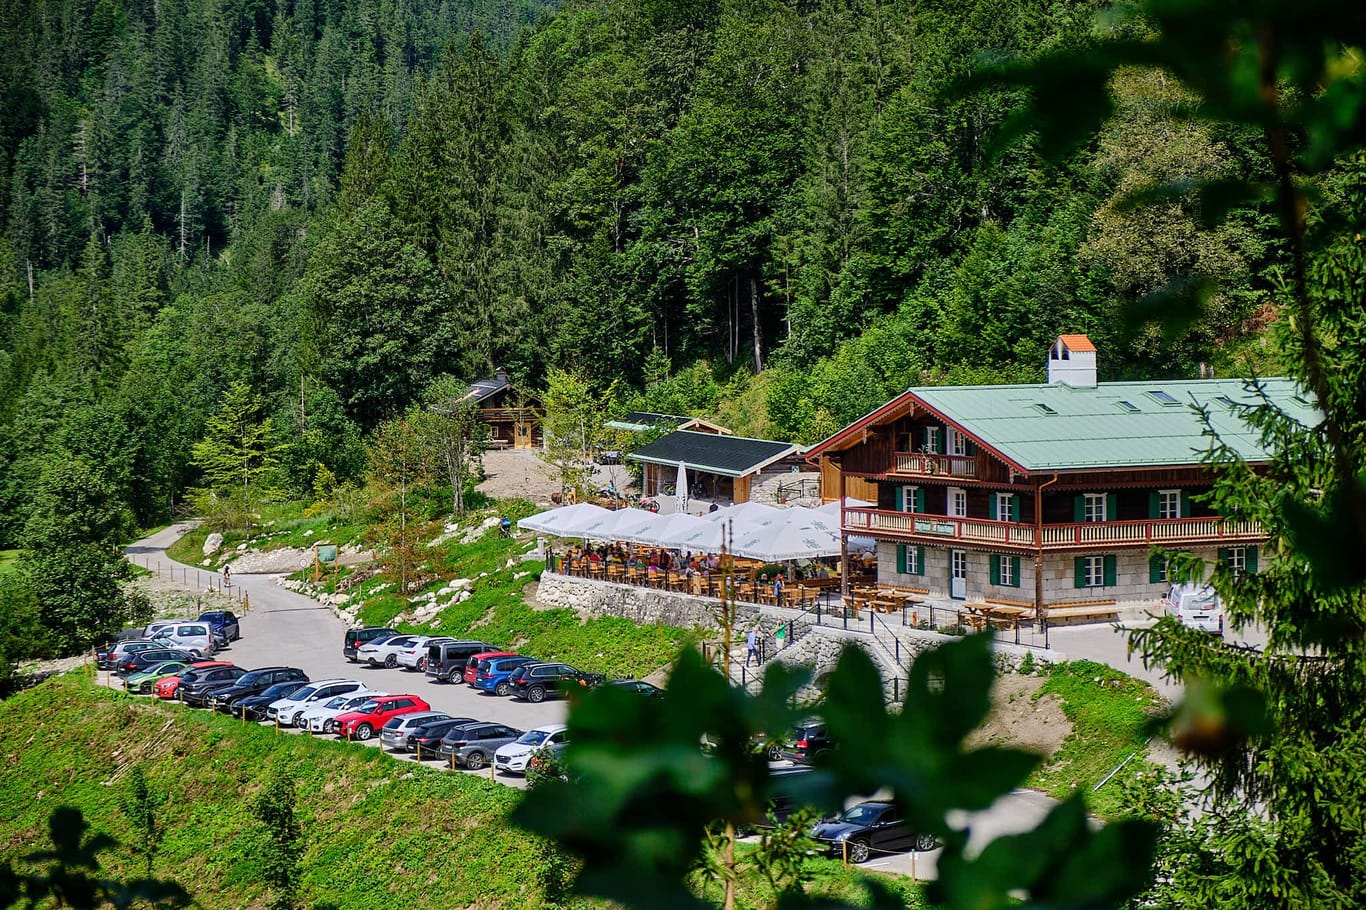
(1072, 361)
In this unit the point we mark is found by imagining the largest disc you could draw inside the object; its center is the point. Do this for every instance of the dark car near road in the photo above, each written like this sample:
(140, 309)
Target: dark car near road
(807, 742)
(430, 733)
(255, 705)
(253, 682)
(636, 686)
(493, 673)
(110, 656)
(196, 692)
(868, 829)
(784, 797)
(537, 682)
(446, 659)
(136, 663)
(223, 622)
(473, 745)
(357, 637)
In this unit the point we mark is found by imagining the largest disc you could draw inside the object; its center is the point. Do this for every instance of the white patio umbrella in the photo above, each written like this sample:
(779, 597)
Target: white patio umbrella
(850, 502)
(794, 540)
(705, 539)
(681, 488)
(632, 523)
(742, 511)
(668, 527)
(564, 521)
(605, 527)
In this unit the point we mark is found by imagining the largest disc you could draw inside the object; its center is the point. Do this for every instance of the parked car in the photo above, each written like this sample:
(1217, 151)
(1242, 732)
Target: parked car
(117, 653)
(141, 683)
(287, 710)
(870, 827)
(354, 638)
(384, 651)
(362, 722)
(537, 682)
(807, 742)
(152, 628)
(1196, 606)
(254, 682)
(446, 659)
(195, 637)
(414, 657)
(140, 661)
(637, 686)
(513, 758)
(472, 745)
(783, 797)
(196, 692)
(494, 673)
(429, 734)
(472, 664)
(255, 705)
(224, 622)
(170, 686)
(396, 730)
(322, 716)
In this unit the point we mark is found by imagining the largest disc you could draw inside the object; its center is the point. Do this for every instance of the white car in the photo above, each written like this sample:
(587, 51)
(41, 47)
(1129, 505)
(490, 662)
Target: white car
(384, 652)
(287, 711)
(195, 637)
(1197, 607)
(414, 657)
(318, 719)
(514, 757)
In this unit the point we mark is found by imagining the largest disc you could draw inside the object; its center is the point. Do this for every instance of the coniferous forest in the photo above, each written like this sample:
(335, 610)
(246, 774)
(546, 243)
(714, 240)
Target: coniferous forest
(775, 211)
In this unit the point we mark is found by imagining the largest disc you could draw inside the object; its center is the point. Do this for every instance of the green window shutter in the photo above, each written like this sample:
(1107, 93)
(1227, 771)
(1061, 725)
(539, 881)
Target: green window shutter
(1111, 507)
(1156, 564)
(1223, 556)
(901, 558)
(1015, 571)
(900, 494)
(1185, 503)
(1079, 571)
(970, 447)
(995, 569)
(1110, 571)
(920, 560)
(1015, 507)
(1079, 509)
(943, 440)
(1154, 504)
(920, 500)
(1250, 558)
(991, 508)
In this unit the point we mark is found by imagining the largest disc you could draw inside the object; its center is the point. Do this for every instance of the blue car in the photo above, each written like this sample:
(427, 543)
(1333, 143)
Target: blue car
(494, 677)
(222, 622)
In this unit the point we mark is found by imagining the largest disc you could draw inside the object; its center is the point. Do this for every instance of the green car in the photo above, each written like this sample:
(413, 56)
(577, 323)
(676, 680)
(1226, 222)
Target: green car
(142, 683)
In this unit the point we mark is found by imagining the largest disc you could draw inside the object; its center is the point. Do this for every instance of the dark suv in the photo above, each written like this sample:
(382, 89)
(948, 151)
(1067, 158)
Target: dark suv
(195, 692)
(446, 659)
(252, 683)
(807, 742)
(223, 622)
(537, 682)
(357, 637)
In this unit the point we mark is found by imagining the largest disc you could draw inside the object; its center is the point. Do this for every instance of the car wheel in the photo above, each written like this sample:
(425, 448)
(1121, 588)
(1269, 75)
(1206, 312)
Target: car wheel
(294, 721)
(858, 851)
(364, 732)
(924, 843)
(196, 655)
(535, 694)
(502, 689)
(775, 752)
(422, 665)
(391, 661)
(474, 761)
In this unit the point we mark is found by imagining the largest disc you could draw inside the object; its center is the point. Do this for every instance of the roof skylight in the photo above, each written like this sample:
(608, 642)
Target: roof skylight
(1044, 409)
(1128, 406)
(1163, 398)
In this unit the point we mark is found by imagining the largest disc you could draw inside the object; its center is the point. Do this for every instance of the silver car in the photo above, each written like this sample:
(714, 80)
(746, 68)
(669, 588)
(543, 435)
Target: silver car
(195, 637)
(394, 735)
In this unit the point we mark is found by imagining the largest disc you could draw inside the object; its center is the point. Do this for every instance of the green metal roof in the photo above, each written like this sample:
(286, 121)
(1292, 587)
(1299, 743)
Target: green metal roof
(1114, 424)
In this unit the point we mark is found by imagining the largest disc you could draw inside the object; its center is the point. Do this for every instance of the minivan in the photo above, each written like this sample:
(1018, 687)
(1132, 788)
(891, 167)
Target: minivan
(446, 659)
(357, 637)
(195, 637)
(1196, 606)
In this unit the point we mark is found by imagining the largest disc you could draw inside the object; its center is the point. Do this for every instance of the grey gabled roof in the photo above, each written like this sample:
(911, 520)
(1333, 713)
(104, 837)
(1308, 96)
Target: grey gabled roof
(729, 456)
(486, 388)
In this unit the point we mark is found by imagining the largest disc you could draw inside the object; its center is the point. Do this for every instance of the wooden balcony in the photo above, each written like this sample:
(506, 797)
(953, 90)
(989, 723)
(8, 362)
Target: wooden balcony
(916, 465)
(502, 415)
(1101, 535)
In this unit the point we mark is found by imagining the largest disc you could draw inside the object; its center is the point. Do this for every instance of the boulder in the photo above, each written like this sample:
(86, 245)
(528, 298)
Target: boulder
(212, 543)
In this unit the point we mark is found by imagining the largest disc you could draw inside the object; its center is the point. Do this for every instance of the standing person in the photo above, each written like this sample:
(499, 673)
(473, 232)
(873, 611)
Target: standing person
(227, 576)
(778, 589)
(752, 642)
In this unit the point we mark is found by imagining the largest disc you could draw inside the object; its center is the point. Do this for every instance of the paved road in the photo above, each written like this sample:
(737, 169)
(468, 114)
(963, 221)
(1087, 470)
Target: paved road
(288, 629)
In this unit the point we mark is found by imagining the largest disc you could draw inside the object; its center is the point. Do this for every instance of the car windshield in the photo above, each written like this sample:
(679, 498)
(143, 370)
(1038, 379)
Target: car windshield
(336, 702)
(280, 690)
(533, 737)
(861, 815)
(368, 707)
(304, 693)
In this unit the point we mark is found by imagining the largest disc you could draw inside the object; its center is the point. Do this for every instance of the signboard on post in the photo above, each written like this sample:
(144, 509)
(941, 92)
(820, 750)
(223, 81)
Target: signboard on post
(327, 553)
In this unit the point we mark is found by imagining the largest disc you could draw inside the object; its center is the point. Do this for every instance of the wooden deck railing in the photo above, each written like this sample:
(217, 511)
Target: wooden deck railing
(1102, 534)
(936, 465)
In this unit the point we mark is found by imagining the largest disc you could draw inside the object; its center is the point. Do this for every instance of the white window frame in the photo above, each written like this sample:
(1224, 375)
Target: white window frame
(1237, 560)
(1003, 501)
(908, 499)
(1006, 571)
(957, 502)
(1094, 507)
(912, 551)
(958, 443)
(1168, 501)
(932, 440)
(1095, 571)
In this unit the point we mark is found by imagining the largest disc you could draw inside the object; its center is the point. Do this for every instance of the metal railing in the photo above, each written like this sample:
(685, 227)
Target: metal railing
(936, 465)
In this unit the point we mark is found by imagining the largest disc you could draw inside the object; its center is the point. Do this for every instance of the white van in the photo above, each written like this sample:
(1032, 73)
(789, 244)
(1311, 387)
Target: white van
(1196, 606)
(195, 637)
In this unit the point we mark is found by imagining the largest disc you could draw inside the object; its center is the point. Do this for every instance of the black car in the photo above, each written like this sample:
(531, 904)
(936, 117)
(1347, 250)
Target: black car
(537, 682)
(807, 742)
(870, 828)
(223, 622)
(430, 734)
(637, 686)
(110, 656)
(255, 706)
(446, 659)
(254, 682)
(136, 663)
(196, 692)
(357, 637)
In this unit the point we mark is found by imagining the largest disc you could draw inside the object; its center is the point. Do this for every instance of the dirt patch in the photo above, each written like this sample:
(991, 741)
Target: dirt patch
(1020, 720)
(518, 474)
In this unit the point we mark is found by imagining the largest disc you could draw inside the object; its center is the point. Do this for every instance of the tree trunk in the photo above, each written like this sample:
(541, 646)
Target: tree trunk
(754, 314)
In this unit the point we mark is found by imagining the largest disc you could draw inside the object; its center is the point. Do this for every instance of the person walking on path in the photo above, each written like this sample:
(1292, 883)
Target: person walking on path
(227, 576)
(752, 642)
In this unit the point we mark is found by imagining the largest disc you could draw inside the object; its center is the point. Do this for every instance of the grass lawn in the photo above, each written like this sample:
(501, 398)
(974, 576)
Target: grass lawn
(281, 525)
(8, 560)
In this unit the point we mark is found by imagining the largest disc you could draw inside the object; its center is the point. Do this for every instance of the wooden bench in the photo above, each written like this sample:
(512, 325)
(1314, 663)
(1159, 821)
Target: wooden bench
(1082, 610)
(1004, 602)
(496, 444)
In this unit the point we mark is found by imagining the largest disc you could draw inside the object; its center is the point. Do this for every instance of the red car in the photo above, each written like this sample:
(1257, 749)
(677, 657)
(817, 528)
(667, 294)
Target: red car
(166, 688)
(364, 721)
(472, 666)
